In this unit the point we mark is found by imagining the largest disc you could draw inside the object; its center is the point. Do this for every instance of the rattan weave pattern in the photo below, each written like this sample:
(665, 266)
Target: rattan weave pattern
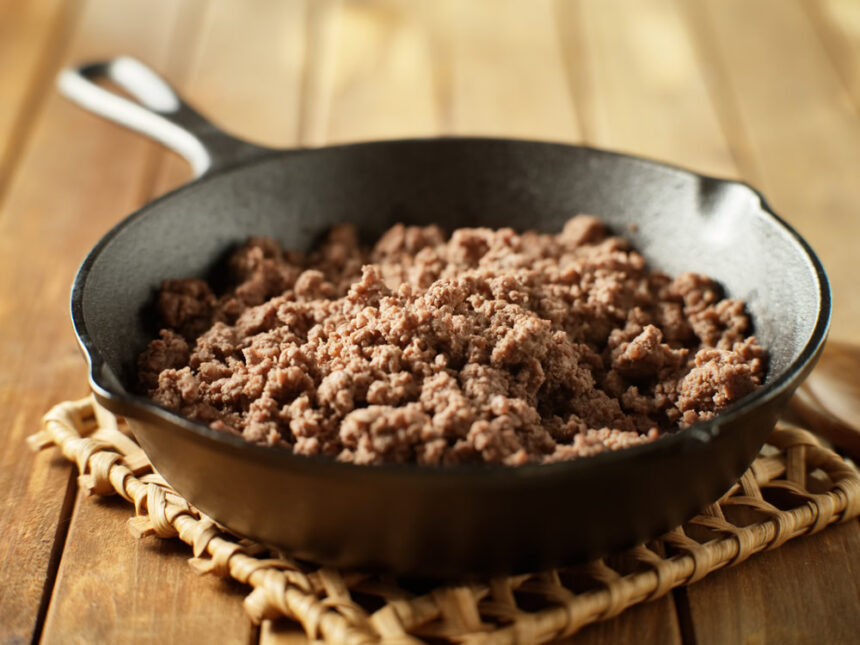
(795, 487)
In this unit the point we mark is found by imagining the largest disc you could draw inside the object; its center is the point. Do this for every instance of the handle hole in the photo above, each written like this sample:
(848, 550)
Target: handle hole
(144, 85)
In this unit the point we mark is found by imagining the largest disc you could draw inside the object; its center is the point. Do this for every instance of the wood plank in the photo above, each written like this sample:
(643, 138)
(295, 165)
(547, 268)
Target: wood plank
(501, 73)
(76, 177)
(838, 25)
(800, 128)
(652, 622)
(31, 35)
(667, 115)
(248, 72)
(34, 515)
(807, 591)
(322, 26)
(253, 90)
(640, 88)
(38, 490)
(801, 138)
(382, 81)
(115, 589)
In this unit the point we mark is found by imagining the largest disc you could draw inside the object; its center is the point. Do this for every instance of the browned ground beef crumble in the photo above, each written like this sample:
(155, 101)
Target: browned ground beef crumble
(488, 346)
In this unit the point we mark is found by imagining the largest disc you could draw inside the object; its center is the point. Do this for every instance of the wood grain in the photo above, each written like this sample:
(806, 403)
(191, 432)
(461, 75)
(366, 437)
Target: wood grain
(114, 589)
(91, 598)
(800, 128)
(838, 25)
(252, 85)
(75, 178)
(252, 92)
(653, 622)
(807, 591)
(31, 35)
(768, 598)
(643, 90)
(501, 73)
(671, 117)
(382, 80)
(41, 363)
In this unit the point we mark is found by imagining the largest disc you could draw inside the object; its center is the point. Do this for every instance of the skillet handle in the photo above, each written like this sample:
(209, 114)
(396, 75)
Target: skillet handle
(159, 113)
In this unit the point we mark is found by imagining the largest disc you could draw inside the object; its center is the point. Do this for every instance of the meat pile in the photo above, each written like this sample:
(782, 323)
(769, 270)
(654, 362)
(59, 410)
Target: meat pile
(488, 346)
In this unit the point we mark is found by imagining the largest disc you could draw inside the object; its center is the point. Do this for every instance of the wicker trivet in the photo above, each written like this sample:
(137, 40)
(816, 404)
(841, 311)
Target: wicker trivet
(795, 487)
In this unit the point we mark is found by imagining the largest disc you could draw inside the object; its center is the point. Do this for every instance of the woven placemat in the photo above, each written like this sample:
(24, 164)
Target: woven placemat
(795, 487)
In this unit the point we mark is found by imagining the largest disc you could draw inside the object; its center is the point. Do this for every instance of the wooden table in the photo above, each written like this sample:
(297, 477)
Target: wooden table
(767, 90)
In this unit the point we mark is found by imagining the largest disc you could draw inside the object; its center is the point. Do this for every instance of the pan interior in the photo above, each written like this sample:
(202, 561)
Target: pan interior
(683, 222)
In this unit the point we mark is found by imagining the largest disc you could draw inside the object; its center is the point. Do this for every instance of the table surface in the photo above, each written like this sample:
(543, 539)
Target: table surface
(765, 90)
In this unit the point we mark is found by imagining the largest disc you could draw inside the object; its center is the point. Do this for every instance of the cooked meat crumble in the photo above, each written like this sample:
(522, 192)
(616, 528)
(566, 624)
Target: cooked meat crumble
(488, 346)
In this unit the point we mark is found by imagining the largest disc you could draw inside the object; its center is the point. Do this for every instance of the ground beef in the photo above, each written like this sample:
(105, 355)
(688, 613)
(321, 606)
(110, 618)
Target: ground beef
(488, 346)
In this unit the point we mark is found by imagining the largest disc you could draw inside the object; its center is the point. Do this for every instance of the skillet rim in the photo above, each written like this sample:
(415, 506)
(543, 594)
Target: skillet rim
(696, 437)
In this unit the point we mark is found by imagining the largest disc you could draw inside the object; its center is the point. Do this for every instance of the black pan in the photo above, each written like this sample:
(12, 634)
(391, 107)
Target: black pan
(419, 520)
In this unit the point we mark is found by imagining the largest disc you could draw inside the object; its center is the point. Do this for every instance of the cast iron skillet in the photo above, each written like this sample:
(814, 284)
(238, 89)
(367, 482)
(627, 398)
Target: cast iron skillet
(407, 519)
